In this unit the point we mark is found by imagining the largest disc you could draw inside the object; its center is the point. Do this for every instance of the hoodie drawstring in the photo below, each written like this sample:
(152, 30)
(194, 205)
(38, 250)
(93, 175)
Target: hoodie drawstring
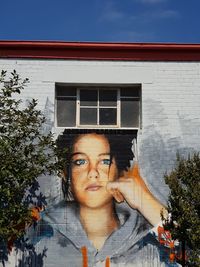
(85, 258)
(107, 262)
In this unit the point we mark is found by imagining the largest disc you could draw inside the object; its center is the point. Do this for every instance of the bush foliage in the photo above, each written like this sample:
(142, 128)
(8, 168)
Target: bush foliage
(184, 207)
(26, 152)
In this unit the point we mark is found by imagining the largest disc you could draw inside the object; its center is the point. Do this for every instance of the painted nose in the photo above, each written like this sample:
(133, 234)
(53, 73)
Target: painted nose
(93, 173)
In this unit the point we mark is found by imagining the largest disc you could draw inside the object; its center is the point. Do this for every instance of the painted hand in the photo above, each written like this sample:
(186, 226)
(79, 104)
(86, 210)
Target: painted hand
(135, 192)
(131, 189)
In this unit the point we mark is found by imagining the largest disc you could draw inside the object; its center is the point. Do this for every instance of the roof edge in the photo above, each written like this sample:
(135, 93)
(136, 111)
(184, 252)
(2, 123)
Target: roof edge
(100, 51)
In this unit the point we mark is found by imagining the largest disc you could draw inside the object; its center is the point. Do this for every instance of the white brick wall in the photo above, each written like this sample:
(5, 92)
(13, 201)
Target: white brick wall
(170, 103)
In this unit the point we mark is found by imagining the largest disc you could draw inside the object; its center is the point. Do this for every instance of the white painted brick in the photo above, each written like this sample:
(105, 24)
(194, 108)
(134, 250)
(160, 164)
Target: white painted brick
(170, 100)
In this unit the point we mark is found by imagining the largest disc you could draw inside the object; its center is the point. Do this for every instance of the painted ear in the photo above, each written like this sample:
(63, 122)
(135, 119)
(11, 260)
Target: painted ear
(67, 189)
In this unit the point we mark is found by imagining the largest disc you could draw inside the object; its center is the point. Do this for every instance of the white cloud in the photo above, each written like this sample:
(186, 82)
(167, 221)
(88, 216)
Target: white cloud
(130, 26)
(111, 13)
(133, 36)
(168, 14)
(150, 16)
(152, 1)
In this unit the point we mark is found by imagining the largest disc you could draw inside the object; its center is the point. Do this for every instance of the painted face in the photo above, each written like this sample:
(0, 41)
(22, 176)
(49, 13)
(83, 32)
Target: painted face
(91, 169)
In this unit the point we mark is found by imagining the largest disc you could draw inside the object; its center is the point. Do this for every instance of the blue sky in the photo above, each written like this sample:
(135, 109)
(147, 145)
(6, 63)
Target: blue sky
(176, 21)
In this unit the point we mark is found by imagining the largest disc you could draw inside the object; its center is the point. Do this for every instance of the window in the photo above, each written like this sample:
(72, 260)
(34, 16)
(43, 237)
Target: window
(98, 107)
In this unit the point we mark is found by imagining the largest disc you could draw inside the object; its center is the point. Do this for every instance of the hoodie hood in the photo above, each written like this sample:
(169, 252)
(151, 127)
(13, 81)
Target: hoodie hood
(64, 218)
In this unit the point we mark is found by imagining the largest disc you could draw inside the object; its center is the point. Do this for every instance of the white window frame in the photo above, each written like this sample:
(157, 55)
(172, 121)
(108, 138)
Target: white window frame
(118, 107)
(78, 108)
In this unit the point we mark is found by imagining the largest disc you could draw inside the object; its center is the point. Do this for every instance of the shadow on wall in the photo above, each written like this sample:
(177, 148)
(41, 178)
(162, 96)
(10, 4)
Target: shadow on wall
(34, 197)
(158, 149)
(30, 257)
(51, 185)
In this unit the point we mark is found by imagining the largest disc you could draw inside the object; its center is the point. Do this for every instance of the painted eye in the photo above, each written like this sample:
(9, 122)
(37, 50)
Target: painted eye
(79, 162)
(106, 161)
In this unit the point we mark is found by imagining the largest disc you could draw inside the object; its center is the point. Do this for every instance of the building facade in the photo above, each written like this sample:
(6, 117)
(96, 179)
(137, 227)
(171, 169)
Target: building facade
(146, 93)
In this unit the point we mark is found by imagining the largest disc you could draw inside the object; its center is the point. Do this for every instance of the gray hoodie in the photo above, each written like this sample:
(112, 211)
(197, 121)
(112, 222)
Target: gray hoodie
(59, 238)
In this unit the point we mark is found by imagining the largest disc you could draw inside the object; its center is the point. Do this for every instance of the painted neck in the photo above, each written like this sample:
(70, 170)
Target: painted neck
(99, 223)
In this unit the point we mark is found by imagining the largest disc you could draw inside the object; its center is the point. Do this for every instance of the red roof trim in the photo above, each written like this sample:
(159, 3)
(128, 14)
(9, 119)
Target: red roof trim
(100, 51)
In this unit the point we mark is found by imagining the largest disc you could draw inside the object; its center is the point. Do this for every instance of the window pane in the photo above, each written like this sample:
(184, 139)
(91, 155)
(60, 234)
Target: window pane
(108, 116)
(130, 113)
(65, 91)
(108, 98)
(66, 112)
(88, 116)
(130, 92)
(88, 97)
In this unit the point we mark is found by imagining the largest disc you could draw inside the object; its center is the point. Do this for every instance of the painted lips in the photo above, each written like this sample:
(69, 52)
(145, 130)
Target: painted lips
(93, 187)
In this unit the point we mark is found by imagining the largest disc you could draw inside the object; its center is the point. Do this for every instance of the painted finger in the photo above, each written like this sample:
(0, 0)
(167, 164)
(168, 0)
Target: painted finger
(121, 186)
(115, 195)
(119, 196)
